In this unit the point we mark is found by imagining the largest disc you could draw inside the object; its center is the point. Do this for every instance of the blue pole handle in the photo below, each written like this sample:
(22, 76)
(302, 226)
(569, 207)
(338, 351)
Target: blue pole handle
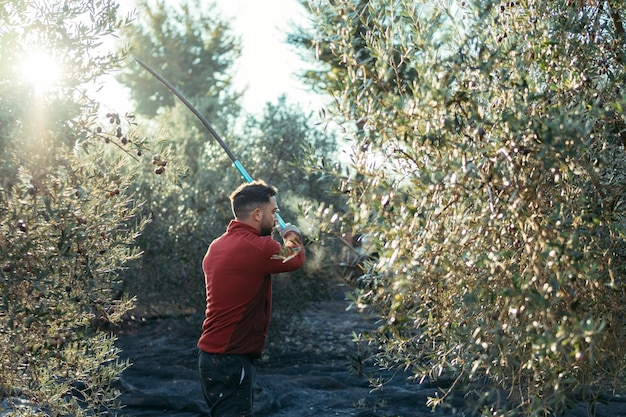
(242, 171)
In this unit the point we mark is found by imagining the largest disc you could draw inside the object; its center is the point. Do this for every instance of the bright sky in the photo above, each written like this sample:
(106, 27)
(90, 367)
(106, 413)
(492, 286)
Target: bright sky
(268, 65)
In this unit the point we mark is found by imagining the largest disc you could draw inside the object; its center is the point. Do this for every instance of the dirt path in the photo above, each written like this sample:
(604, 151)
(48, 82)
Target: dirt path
(307, 375)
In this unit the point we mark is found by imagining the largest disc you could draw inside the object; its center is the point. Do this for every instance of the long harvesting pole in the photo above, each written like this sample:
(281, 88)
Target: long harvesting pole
(207, 125)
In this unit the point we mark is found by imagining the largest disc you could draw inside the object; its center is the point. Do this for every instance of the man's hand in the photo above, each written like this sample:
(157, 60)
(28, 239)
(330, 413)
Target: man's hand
(289, 228)
(293, 244)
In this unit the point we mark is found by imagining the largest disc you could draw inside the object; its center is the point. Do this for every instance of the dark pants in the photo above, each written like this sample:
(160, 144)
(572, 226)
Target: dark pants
(227, 383)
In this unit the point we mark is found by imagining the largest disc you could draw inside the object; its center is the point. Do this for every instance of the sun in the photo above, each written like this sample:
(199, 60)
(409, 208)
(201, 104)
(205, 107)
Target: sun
(41, 70)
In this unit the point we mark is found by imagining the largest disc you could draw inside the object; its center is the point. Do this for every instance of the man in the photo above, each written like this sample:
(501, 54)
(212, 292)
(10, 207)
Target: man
(237, 270)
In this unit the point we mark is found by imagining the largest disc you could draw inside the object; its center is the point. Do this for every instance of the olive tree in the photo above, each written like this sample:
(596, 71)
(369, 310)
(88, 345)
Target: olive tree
(67, 220)
(192, 46)
(489, 152)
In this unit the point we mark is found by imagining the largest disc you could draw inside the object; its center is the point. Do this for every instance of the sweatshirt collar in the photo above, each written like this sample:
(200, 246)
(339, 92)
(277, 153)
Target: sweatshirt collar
(236, 226)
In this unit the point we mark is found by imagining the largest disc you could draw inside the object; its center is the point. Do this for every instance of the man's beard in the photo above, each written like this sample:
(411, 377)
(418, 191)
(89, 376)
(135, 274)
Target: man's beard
(266, 228)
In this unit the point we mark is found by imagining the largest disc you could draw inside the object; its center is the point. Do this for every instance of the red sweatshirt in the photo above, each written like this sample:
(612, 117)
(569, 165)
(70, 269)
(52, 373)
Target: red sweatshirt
(237, 268)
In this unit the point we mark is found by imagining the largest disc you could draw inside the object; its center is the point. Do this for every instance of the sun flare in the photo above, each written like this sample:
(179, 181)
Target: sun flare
(41, 70)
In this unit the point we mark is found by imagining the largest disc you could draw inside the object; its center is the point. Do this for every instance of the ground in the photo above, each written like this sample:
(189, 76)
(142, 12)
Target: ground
(308, 374)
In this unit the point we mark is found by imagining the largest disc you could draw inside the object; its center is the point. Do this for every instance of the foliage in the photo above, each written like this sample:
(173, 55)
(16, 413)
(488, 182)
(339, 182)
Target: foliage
(278, 140)
(187, 210)
(67, 220)
(490, 151)
(192, 47)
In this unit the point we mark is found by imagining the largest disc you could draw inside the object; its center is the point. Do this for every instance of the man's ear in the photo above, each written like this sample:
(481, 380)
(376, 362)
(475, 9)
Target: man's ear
(257, 214)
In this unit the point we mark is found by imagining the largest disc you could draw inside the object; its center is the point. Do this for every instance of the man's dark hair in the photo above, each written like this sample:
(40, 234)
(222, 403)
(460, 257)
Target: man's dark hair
(249, 196)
